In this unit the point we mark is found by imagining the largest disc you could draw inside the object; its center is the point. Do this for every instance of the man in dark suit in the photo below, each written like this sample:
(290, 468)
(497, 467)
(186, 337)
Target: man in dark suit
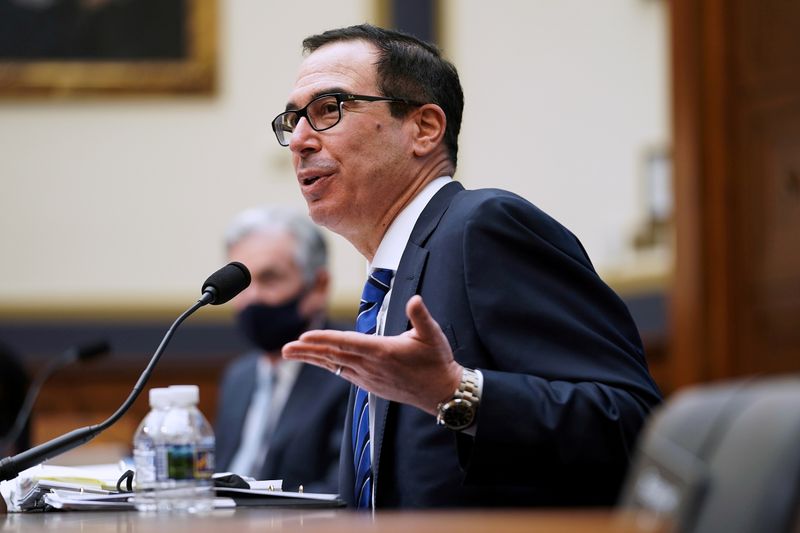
(521, 379)
(280, 419)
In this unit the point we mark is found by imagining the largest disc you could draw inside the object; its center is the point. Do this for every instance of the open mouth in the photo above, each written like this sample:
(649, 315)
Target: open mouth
(311, 180)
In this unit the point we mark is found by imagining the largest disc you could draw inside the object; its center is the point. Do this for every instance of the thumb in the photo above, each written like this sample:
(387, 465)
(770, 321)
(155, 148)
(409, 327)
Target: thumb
(421, 319)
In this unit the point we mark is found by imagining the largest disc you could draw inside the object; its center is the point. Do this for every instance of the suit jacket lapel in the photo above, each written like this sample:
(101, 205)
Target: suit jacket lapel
(297, 407)
(406, 281)
(236, 412)
(412, 263)
(301, 402)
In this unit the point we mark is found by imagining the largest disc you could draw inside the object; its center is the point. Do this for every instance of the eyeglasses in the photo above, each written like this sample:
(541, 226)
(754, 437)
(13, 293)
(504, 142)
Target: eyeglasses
(322, 113)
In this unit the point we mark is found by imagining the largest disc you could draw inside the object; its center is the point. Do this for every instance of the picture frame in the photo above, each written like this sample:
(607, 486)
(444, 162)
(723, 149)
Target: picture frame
(191, 72)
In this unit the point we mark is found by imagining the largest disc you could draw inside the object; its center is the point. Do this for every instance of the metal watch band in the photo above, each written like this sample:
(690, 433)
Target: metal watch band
(468, 387)
(459, 412)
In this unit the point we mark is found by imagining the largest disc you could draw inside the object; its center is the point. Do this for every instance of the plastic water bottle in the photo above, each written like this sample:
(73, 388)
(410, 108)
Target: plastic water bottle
(144, 450)
(184, 455)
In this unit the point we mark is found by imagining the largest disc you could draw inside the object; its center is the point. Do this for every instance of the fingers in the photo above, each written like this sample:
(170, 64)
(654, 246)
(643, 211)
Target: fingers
(347, 365)
(331, 349)
(421, 319)
(299, 351)
(344, 341)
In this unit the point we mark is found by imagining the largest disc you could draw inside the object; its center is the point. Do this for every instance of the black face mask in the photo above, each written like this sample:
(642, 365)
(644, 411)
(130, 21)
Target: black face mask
(269, 327)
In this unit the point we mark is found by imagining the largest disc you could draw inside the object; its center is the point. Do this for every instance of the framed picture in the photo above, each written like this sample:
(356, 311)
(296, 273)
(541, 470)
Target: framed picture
(79, 47)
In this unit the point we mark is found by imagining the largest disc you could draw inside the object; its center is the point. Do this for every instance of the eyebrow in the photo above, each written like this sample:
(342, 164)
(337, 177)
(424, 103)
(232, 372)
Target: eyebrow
(291, 106)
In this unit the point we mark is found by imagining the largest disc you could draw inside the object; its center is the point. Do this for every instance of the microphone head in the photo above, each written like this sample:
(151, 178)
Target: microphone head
(93, 350)
(226, 283)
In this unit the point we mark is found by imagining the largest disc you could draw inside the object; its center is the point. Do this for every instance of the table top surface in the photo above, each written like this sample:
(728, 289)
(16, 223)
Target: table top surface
(335, 521)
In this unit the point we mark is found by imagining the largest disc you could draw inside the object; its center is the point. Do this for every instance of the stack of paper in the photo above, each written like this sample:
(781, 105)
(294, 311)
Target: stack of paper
(69, 500)
(94, 487)
(27, 492)
(278, 498)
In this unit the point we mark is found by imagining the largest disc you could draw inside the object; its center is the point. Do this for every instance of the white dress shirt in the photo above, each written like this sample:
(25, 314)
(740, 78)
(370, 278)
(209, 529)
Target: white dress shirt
(274, 382)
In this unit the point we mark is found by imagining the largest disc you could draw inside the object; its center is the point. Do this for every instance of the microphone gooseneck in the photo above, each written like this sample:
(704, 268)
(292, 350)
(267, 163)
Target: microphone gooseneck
(83, 352)
(220, 287)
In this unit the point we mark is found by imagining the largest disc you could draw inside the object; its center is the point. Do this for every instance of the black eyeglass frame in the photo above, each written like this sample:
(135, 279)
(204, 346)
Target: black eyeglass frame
(341, 99)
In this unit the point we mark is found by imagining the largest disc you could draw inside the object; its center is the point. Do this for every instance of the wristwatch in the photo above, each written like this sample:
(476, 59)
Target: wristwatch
(459, 412)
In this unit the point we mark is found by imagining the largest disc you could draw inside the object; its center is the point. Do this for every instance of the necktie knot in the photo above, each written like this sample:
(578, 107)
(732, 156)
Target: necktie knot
(375, 290)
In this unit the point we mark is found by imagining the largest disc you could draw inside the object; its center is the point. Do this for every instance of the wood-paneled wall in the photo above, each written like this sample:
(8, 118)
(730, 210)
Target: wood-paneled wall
(736, 123)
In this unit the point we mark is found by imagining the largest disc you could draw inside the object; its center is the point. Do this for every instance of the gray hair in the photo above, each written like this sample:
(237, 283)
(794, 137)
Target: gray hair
(311, 252)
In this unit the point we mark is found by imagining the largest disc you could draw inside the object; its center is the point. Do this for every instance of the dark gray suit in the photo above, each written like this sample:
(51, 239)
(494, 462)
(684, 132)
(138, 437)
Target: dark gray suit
(566, 387)
(304, 448)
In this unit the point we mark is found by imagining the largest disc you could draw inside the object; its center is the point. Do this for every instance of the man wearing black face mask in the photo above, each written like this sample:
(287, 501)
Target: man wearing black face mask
(278, 419)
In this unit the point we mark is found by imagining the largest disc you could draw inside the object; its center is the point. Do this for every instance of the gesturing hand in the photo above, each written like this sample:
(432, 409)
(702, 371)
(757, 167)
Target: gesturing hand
(415, 368)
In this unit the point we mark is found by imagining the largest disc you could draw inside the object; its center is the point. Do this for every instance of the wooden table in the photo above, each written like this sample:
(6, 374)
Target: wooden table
(335, 521)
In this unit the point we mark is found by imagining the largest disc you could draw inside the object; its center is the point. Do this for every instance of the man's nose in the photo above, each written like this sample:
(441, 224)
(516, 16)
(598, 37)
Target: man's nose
(304, 137)
(247, 296)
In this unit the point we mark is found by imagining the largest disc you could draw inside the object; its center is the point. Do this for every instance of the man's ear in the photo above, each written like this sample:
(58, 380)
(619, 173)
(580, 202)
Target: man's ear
(323, 281)
(429, 125)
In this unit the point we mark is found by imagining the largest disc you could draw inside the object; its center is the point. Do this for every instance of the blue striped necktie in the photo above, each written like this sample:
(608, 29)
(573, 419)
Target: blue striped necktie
(371, 300)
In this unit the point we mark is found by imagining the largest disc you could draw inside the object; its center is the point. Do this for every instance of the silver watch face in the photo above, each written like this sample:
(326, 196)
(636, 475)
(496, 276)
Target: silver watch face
(457, 414)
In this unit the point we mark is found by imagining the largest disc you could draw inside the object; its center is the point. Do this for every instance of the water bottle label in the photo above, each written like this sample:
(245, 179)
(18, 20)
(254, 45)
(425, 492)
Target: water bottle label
(144, 460)
(204, 463)
(180, 461)
(161, 463)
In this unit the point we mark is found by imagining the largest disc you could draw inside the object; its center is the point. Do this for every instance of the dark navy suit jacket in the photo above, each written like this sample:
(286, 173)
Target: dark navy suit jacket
(304, 448)
(566, 387)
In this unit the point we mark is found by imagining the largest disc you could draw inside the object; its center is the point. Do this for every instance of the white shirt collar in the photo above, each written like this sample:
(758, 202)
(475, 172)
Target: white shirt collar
(277, 369)
(396, 237)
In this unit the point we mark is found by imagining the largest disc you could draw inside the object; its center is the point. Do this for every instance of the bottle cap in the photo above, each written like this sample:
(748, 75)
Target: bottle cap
(184, 395)
(159, 397)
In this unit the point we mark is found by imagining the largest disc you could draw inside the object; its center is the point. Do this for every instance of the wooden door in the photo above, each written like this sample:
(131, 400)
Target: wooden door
(735, 304)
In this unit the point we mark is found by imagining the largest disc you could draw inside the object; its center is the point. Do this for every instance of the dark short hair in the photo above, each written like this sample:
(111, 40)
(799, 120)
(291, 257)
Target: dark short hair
(407, 68)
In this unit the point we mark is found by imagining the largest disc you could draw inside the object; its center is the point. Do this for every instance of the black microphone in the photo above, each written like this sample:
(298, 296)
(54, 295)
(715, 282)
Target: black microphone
(220, 287)
(87, 352)
(226, 283)
(83, 352)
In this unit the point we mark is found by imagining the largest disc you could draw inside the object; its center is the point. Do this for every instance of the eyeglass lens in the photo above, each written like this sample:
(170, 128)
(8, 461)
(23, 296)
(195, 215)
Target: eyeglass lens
(321, 113)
